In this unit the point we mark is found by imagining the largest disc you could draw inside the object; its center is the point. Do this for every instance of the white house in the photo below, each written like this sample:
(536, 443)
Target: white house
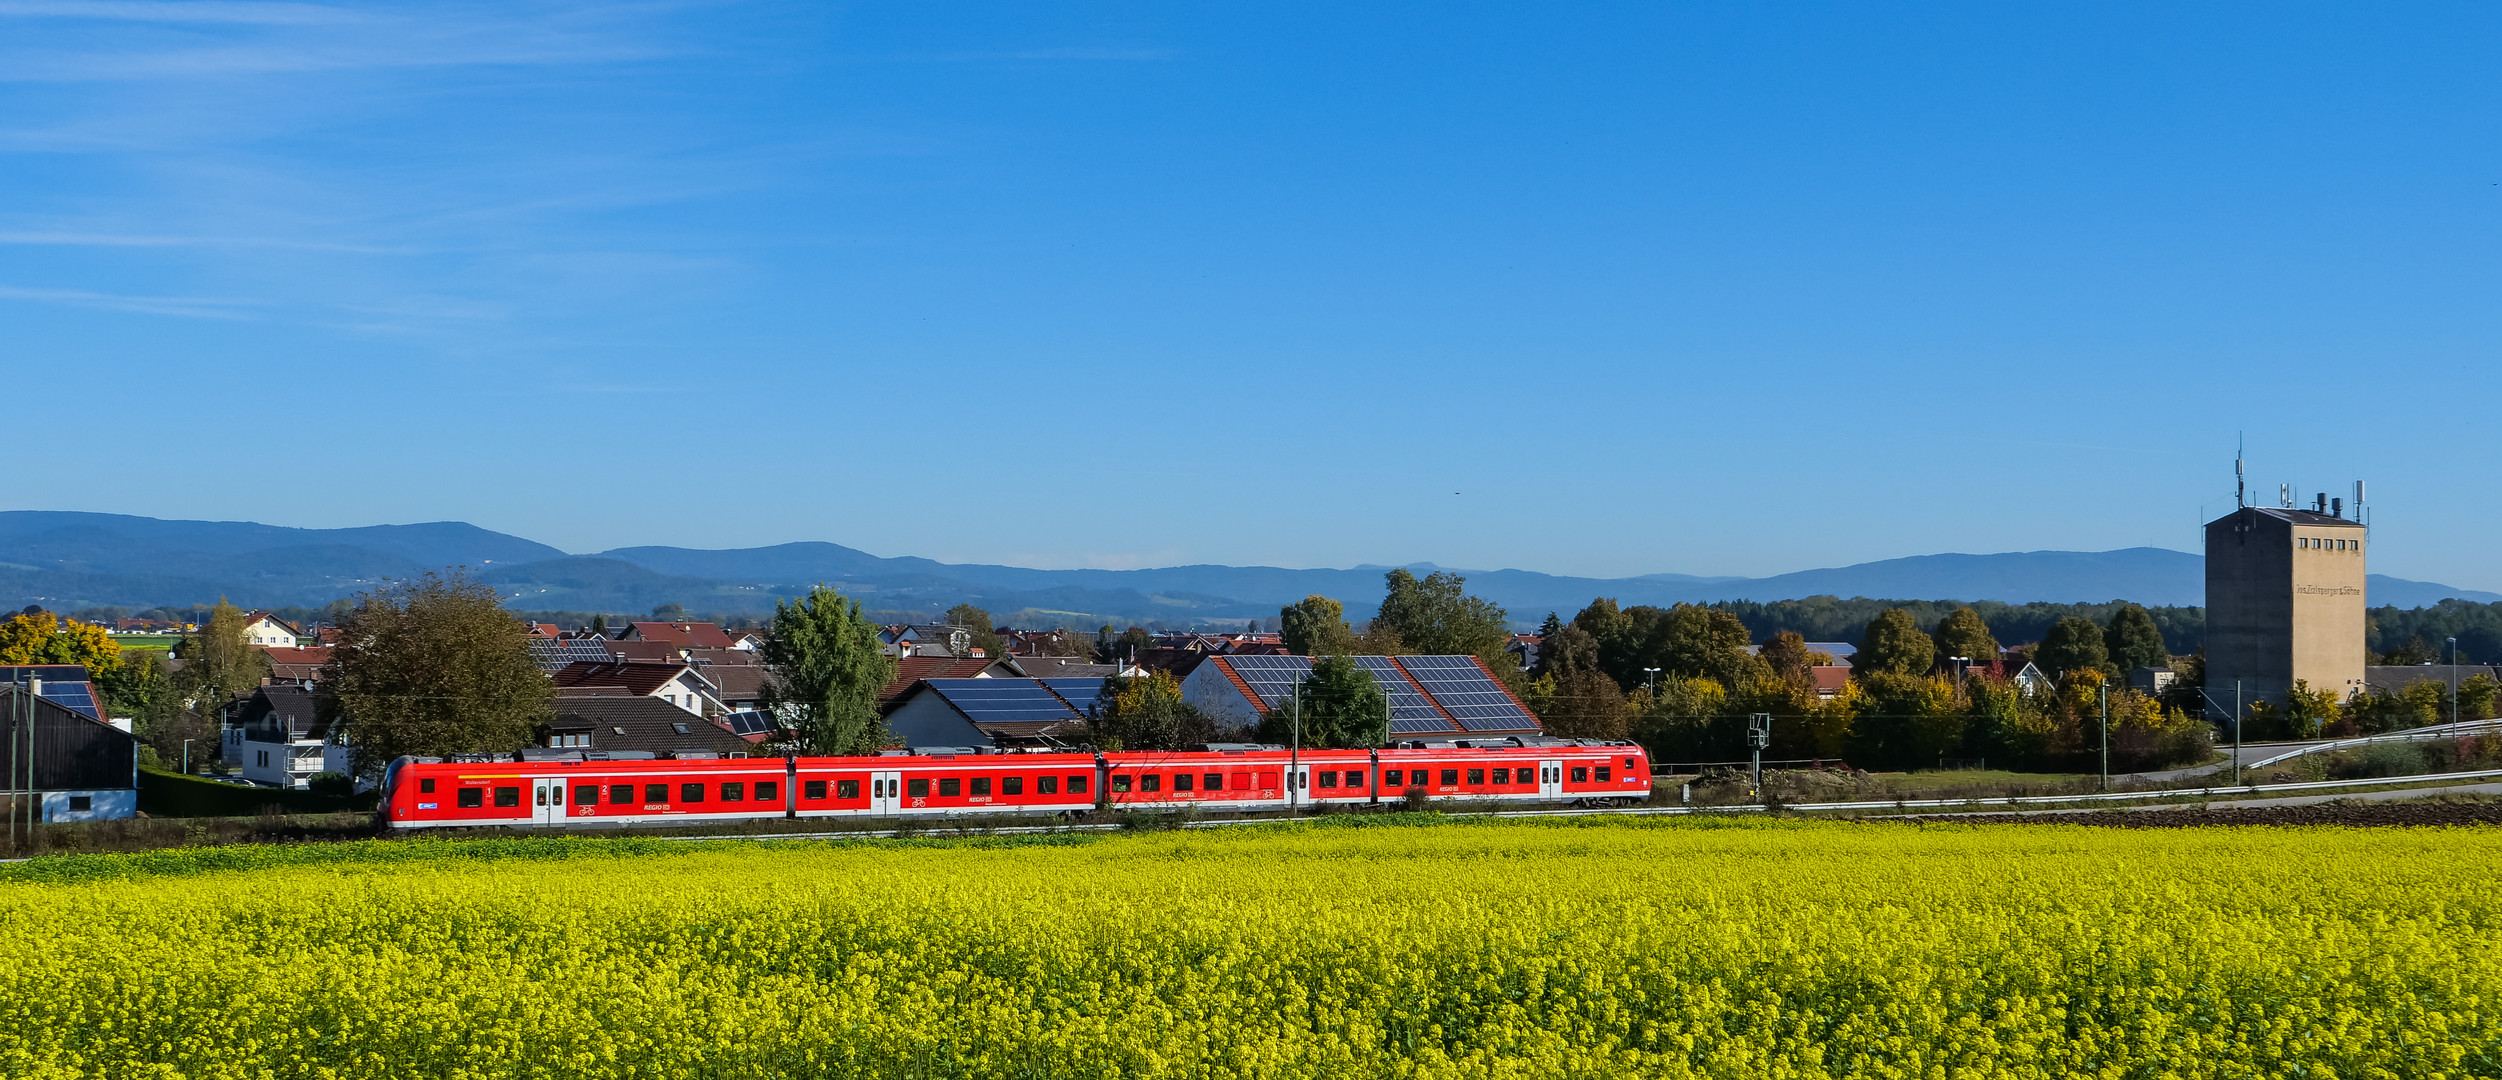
(679, 684)
(262, 628)
(279, 740)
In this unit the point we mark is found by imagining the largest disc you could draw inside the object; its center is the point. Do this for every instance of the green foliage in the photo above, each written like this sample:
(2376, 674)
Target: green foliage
(1435, 616)
(2073, 644)
(165, 794)
(828, 666)
(1893, 645)
(1316, 626)
(1148, 713)
(432, 666)
(985, 633)
(1340, 706)
(2133, 641)
(1787, 655)
(1826, 618)
(1584, 704)
(1685, 640)
(219, 662)
(2478, 628)
(1964, 634)
(2476, 697)
(1905, 721)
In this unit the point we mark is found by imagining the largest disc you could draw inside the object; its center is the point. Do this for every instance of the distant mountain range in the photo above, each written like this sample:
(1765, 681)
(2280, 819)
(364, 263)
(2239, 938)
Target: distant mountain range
(66, 561)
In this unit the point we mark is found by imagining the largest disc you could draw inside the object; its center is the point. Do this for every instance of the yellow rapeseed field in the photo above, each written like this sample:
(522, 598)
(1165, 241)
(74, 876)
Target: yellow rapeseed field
(1485, 951)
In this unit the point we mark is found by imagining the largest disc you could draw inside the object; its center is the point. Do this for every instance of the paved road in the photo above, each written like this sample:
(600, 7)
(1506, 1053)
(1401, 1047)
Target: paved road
(2249, 752)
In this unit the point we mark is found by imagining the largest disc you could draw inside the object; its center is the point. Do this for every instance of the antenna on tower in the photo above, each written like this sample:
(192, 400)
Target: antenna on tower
(2239, 491)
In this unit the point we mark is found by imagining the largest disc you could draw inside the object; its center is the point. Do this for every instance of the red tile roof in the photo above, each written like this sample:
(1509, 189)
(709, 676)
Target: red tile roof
(630, 677)
(701, 635)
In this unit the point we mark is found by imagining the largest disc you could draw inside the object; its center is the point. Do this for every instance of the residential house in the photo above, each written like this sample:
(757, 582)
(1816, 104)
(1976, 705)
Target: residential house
(82, 769)
(928, 639)
(262, 628)
(1062, 667)
(685, 635)
(66, 685)
(1524, 649)
(278, 739)
(993, 712)
(679, 684)
(614, 723)
(296, 667)
(555, 654)
(913, 669)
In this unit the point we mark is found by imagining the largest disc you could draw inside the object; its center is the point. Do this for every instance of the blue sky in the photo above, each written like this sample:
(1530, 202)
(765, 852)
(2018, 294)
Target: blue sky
(1712, 289)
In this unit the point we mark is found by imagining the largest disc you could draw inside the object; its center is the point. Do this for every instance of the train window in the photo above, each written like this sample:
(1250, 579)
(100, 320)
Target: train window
(620, 794)
(1450, 778)
(1355, 778)
(425, 787)
(1580, 774)
(690, 793)
(1604, 773)
(1394, 777)
(950, 787)
(1120, 783)
(1077, 785)
(586, 794)
(1329, 778)
(843, 789)
(1183, 781)
(655, 793)
(1632, 762)
(1503, 777)
(1012, 785)
(540, 792)
(1047, 785)
(1476, 777)
(734, 791)
(471, 796)
(508, 796)
(981, 787)
(768, 791)
(1214, 781)
(1151, 782)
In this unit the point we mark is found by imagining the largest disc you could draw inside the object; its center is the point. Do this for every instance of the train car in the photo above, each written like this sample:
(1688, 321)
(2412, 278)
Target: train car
(941, 784)
(1233, 777)
(1579, 772)
(581, 790)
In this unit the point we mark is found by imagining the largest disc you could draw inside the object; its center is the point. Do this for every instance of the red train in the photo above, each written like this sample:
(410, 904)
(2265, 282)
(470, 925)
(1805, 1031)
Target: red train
(589, 789)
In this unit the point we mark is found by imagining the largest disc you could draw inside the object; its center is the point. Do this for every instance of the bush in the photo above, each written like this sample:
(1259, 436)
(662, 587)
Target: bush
(331, 785)
(2386, 759)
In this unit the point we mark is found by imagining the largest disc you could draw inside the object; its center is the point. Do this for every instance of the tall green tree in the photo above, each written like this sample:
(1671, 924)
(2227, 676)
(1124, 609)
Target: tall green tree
(2073, 644)
(1341, 707)
(828, 666)
(429, 666)
(219, 662)
(985, 632)
(1148, 713)
(2133, 641)
(1692, 640)
(1893, 644)
(1316, 626)
(1963, 634)
(1435, 616)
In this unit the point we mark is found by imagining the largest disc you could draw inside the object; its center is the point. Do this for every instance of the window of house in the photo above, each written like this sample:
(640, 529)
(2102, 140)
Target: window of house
(1047, 785)
(1151, 782)
(1077, 785)
(690, 793)
(509, 795)
(918, 789)
(426, 786)
(264, 759)
(80, 803)
(1476, 777)
(586, 794)
(1183, 781)
(1450, 778)
(734, 791)
(768, 791)
(1012, 785)
(981, 787)
(1329, 778)
(655, 793)
(1580, 774)
(621, 795)
(471, 797)
(681, 728)
(1605, 774)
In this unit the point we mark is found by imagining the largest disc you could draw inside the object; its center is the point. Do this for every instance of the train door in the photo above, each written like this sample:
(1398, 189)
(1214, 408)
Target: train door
(1551, 780)
(885, 793)
(547, 800)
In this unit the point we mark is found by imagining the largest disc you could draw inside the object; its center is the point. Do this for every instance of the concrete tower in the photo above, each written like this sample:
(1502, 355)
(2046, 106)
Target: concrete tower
(2284, 603)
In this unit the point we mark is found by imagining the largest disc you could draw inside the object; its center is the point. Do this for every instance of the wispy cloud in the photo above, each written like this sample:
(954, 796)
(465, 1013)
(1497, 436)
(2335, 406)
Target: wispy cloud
(192, 307)
(116, 240)
(284, 38)
(185, 11)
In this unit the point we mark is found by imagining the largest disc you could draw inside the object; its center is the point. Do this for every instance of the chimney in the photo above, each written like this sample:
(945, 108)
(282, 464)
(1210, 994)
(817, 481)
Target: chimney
(2319, 503)
(2336, 508)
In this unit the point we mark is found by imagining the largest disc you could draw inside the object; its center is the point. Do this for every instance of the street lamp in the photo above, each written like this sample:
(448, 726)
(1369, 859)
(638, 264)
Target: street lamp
(2454, 681)
(1650, 679)
(186, 757)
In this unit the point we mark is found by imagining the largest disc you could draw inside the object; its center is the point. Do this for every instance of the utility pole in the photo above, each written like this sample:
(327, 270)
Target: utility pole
(1294, 754)
(1758, 736)
(2237, 732)
(2102, 694)
(2454, 682)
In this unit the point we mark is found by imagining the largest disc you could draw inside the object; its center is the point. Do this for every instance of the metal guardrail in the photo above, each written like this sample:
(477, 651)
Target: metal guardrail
(2162, 793)
(2421, 734)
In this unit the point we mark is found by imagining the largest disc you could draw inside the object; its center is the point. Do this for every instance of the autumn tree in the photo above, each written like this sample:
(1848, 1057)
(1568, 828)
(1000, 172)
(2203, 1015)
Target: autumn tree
(2073, 644)
(1119, 649)
(1148, 713)
(1962, 633)
(1316, 626)
(1788, 656)
(2133, 640)
(40, 637)
(1893, 644)
(1340, 706)
(432, 666)
(219, 663)
(828, 667)
(1435, 616)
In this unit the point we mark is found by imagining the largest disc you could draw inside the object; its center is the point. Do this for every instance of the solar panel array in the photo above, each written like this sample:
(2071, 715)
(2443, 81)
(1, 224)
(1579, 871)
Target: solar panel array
(552, 654)
(1081, 693)
(1273, 678)
(65, 685)
(75, 696)
(748, 722)
(1411, 713)
(1471, 696)
(1003, 701)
